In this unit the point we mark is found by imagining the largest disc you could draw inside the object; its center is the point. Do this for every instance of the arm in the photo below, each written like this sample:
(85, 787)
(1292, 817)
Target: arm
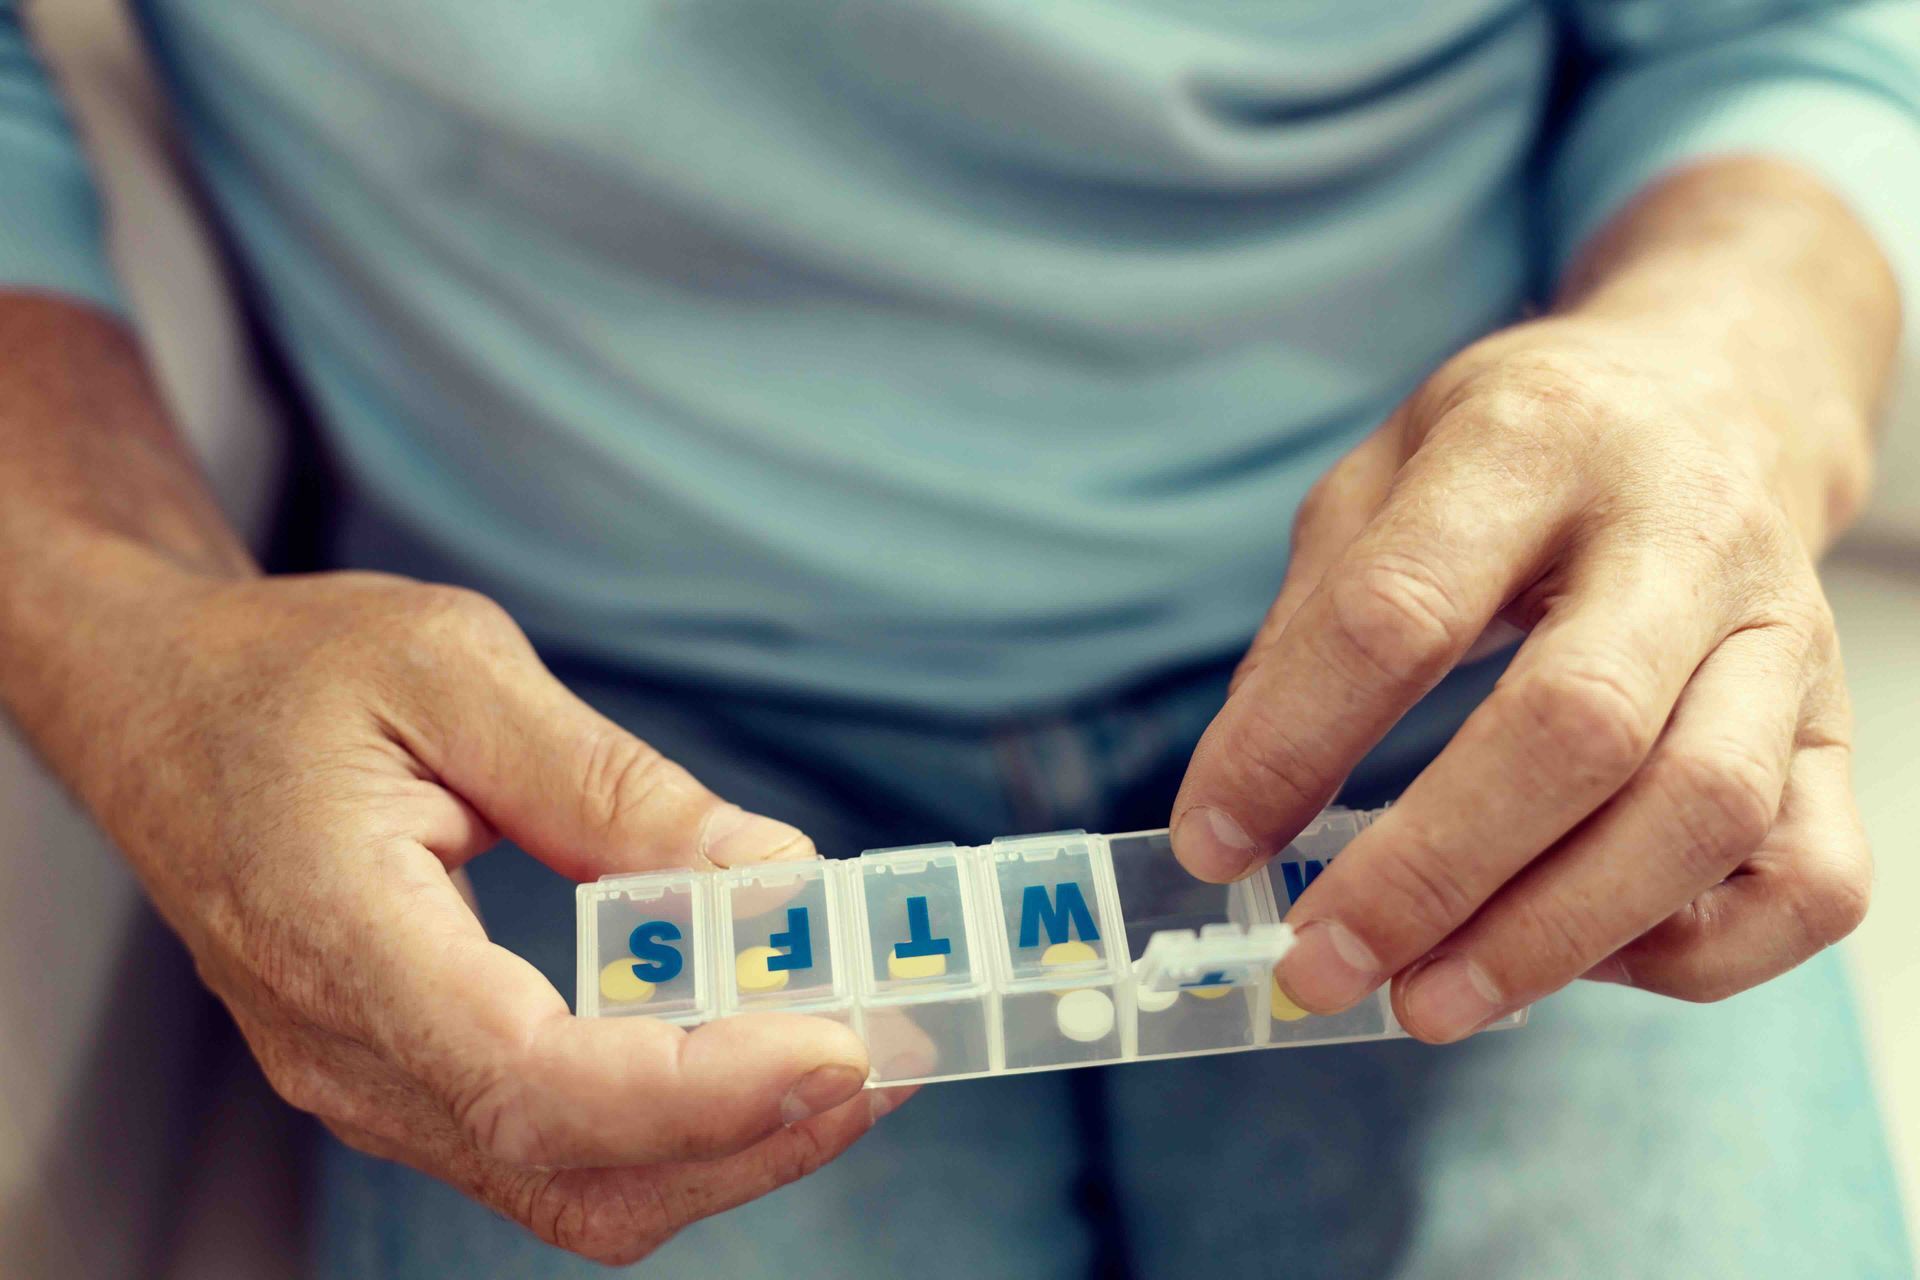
(1657, 792)
(294, 767)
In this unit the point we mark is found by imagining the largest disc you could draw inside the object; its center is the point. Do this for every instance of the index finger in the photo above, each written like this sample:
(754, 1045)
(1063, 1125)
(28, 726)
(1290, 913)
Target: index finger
(529, 1083)
(1455, 540)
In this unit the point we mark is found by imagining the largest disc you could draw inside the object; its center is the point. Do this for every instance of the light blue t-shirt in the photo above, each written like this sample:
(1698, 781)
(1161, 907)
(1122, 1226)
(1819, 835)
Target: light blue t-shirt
(949, 355)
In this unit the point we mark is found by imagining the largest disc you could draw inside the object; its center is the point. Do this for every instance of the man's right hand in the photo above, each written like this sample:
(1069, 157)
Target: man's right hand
(296, 766)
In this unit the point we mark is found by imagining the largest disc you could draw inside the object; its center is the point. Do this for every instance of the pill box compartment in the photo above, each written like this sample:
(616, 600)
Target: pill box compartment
(926, 996)
(1158, 895)
(1288, 876)
(643, 948)
(1297, 866)
(779, 924)
(1058, 954)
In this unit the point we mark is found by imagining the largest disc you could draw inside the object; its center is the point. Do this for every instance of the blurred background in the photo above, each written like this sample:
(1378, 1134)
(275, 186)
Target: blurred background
(136, 1139)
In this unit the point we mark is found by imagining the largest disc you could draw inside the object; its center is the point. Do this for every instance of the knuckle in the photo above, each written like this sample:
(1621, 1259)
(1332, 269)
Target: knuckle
(1268, 761)
(802, 1151)
(1538, 400)
(1421, 889)
(1561, 942)
(1828, 901)
(1710, 511)
(492, 1114)
(615, 1220)
(1588, 713)
(1684, 956)
(300, 1084)
(458, 615)
(1796, 618)
(623, 776)
(1312, 509)
(542, 1203)
(1723, 800)
(1398, 615)
(1725, 508)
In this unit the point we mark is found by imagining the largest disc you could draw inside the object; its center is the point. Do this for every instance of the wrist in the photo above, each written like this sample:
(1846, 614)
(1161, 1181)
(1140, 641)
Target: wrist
(1756, 285)
(85, 623)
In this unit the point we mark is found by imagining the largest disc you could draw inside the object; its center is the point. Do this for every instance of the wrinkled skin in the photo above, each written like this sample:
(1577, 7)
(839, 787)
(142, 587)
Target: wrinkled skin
(1657, 792)
(328, 751)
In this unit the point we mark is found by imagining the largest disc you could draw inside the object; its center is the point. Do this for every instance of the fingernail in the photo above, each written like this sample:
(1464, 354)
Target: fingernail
(821, 1089)
(1212, 845)
(1328, 968)
(732, 836)
(1450, 998)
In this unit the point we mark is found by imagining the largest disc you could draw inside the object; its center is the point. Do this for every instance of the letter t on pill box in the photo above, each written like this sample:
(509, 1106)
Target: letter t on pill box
(925, 993)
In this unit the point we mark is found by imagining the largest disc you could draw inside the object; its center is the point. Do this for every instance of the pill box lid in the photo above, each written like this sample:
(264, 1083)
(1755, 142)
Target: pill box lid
(1218, 955)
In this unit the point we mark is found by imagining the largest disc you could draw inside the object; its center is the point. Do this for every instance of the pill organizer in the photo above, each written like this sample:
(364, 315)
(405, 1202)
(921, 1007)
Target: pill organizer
(1030, 953)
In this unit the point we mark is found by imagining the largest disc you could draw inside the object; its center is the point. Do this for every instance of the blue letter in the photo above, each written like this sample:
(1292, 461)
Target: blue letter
(658, 961)
(1298, 875)
(1214, 979)
(797, 941)
(918, 942)
(1068, 907)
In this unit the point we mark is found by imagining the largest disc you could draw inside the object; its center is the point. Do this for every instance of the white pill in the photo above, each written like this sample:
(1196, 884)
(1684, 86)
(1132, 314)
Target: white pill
(1154, 1001)
(1084, 1015)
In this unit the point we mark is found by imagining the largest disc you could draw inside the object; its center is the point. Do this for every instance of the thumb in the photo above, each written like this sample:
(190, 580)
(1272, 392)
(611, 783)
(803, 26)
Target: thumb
(576, 790)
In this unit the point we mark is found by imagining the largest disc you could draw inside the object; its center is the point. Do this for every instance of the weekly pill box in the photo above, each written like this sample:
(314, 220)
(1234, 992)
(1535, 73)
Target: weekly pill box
(1031, 953)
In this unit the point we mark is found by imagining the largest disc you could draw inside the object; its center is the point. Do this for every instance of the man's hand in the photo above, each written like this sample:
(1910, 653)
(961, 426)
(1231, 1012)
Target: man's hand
(296, 767)
(311, 760)
(1657, 792)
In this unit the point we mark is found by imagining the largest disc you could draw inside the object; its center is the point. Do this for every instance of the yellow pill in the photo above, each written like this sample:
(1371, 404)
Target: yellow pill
(751, 972)
(899, 966)
(1284, 1010)
(1207, 993)
(1066, 953)
(620, 984)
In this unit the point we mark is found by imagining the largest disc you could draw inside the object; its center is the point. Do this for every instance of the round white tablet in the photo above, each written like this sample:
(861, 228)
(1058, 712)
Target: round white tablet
(1154, 1001)
(1085, 1015)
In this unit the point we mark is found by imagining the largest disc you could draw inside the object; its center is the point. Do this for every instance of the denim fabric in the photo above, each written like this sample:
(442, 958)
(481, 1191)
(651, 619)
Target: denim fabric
(1617, 1135)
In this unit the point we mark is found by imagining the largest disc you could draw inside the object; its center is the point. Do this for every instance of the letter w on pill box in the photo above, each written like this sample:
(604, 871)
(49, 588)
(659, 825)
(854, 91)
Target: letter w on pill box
(1027, 954)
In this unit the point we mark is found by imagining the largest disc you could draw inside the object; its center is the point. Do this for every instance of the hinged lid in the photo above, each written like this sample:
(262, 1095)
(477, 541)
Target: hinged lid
(1220, 955)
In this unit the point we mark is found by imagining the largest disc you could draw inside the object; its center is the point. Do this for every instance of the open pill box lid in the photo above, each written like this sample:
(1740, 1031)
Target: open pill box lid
(1219, 954)
(1029, 953)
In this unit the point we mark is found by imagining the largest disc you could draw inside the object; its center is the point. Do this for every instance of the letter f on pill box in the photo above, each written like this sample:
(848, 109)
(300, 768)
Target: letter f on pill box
(778, 923)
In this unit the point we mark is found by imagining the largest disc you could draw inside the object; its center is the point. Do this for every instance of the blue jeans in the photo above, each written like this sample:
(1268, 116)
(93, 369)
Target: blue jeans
(1618, 1135)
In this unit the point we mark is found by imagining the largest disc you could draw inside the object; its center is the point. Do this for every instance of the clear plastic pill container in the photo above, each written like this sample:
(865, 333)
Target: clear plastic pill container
(1027, 954)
